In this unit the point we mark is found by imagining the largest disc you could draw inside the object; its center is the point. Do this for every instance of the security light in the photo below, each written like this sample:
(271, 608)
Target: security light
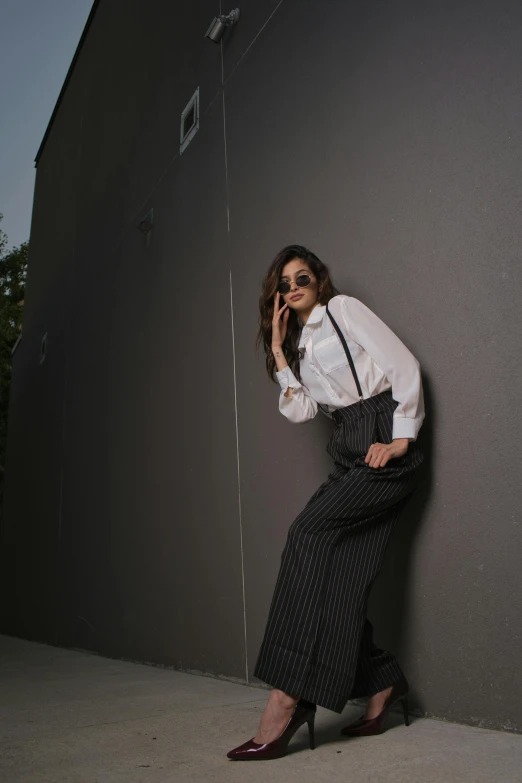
(220, 23)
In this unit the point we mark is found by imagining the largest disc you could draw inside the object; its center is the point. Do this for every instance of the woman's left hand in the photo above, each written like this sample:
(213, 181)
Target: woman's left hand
(379, 453)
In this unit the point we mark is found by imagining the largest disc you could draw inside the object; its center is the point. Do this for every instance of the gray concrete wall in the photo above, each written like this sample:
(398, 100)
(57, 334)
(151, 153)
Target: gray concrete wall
(383, 135)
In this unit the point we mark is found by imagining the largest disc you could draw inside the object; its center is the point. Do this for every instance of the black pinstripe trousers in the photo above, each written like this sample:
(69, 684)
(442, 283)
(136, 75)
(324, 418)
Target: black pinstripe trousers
(318, 641)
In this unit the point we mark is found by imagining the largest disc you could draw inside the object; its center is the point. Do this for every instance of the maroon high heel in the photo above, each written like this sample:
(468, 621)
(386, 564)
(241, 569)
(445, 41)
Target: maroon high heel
(365, 726)
(273, 750)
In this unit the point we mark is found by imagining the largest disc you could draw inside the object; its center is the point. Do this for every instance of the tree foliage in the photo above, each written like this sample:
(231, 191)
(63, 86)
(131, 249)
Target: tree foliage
(13, 273)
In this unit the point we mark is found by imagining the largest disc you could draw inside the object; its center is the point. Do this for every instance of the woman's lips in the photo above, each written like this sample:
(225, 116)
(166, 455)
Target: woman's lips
(296, 296)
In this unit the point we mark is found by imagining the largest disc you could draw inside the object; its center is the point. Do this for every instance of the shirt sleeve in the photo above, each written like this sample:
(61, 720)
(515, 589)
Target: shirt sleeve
(393, 359)
(300, 406)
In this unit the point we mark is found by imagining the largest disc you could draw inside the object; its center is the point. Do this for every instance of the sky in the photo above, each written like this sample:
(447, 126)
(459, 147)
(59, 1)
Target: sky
(38, 39)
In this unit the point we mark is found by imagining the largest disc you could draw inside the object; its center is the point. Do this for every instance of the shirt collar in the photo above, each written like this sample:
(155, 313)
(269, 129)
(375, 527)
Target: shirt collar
(315, 316)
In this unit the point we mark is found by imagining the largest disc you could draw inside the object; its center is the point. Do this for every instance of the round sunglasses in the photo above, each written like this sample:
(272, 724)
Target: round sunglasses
(301, 280)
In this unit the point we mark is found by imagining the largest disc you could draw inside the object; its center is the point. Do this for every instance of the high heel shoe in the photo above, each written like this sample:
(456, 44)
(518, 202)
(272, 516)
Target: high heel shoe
(365, 726)
(303, 713)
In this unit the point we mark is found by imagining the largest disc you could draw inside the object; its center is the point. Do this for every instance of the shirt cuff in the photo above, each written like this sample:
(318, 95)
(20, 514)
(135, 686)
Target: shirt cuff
(287, 378)
(404, 428)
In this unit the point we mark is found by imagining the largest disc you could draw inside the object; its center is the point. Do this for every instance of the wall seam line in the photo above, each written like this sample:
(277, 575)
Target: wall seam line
(234, 375)
(252, 42)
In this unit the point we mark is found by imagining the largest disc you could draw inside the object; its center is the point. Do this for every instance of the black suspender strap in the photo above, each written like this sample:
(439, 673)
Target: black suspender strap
(347, 352)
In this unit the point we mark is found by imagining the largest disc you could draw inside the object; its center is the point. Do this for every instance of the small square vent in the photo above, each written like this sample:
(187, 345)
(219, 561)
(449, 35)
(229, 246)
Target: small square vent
(189, 122)
(43, 348)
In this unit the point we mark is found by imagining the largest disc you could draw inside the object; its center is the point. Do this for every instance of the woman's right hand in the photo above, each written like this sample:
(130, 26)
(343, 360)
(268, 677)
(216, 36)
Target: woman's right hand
(279, 324)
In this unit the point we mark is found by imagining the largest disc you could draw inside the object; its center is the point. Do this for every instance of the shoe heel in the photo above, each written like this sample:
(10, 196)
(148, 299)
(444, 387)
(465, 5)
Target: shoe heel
(311, 731)
(404, 702)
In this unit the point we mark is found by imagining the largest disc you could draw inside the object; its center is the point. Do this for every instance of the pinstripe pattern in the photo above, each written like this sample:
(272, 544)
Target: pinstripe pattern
(318, 642)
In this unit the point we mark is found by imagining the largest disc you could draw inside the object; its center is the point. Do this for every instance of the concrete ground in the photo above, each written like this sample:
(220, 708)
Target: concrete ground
(70, 717)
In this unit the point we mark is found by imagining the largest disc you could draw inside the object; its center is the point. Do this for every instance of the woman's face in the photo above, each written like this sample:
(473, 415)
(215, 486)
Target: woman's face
(302, 300)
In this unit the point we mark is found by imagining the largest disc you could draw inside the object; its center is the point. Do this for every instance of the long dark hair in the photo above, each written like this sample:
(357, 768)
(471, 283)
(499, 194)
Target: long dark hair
(266, 305)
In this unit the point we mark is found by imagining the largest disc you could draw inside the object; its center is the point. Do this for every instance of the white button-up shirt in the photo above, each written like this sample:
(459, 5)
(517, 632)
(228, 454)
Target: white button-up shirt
(381, 360)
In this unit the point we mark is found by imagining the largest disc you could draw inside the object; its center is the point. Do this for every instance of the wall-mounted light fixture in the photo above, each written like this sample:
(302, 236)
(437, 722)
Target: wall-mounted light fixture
(147, 222)
(219, 24)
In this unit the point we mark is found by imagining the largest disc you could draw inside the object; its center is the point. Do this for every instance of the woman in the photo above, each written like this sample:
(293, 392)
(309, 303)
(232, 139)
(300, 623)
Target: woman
(330, 351)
